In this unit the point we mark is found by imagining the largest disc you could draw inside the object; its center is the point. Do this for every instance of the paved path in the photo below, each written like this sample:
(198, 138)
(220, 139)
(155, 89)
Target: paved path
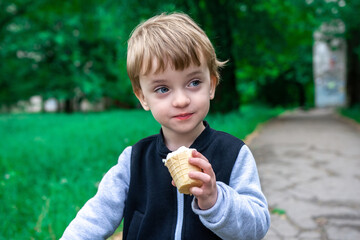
(309, 166)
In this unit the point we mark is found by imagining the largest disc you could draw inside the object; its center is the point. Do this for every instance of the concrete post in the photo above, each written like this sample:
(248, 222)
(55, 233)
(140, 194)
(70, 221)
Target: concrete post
(329, 64)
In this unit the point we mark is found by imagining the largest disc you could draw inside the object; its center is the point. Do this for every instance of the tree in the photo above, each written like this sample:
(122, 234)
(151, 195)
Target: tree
(64, 50)
(215, 17)
(349, 13)
(77, 49)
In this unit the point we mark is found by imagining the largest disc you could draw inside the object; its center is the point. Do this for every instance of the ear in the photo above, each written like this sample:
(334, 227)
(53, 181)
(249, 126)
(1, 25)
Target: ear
(213, 81)
(139, 94)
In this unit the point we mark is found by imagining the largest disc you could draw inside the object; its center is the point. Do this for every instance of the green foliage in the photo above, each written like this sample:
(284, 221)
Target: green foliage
(278, 211)
(275, 51)
(77, 49)
(51, 164)
(353, 112)
(64, 50)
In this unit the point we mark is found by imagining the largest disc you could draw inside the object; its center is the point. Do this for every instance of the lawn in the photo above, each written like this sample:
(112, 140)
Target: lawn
(51, 164)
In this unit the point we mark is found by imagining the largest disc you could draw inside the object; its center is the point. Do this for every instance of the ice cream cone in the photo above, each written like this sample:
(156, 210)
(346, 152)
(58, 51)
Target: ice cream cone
(179, 168)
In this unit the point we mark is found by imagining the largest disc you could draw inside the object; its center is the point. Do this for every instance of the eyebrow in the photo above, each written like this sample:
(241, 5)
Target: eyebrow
(158, 81)
(162, 81)
(196, 72)
(155, 82)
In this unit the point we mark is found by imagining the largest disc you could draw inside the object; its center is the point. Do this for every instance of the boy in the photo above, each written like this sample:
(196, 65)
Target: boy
(174, 72)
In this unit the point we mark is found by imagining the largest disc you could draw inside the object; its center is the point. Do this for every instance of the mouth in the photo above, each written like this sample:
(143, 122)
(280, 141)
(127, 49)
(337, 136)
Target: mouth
(183, 116)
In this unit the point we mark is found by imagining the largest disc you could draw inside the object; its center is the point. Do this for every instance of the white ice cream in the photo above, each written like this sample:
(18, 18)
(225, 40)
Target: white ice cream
(179, 150)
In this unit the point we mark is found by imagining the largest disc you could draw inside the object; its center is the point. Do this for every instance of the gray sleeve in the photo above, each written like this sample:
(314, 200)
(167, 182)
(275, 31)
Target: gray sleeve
(241, 210)
(102, 214)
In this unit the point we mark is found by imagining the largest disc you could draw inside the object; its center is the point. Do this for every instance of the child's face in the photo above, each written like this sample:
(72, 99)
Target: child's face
(178, 100)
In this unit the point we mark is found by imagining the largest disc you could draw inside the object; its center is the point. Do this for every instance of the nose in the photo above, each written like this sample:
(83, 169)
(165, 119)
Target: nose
(181, 99)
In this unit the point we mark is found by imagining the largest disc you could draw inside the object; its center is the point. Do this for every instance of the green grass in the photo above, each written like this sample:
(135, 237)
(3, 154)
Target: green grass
(51, 164)
(353, 112)
(244, 122)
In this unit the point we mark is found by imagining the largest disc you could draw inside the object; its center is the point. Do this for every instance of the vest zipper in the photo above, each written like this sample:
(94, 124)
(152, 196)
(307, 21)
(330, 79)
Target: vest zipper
(180, 215)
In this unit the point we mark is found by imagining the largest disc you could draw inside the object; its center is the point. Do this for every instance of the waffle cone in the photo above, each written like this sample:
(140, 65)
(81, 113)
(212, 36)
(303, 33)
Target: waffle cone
(179, 168)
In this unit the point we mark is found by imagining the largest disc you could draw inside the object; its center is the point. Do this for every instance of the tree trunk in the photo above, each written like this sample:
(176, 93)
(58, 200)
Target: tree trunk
(353, 74)
(226, 96)
(68, 107)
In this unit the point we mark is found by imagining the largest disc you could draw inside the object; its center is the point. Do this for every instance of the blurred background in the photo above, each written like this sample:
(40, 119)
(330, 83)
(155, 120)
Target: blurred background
(61, 57)
(72, 54)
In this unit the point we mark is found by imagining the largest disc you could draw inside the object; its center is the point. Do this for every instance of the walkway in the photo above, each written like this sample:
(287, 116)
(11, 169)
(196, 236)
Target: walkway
(309, 166)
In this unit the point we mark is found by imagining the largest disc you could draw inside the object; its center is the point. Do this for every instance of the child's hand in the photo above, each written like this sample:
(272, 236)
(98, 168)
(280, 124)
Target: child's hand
(207, 193)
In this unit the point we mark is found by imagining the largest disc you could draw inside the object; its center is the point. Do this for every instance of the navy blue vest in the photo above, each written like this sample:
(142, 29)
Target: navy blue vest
(151, 206)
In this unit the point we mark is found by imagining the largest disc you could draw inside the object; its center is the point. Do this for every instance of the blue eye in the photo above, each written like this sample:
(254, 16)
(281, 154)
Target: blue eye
(162, 90)
(194, 83)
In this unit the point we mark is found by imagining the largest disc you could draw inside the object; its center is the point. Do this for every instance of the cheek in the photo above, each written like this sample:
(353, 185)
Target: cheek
(158, 109)
(204, 96)
(202, 102)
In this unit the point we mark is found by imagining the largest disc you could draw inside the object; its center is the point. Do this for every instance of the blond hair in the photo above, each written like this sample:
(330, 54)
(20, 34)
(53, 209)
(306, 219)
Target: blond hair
(173, 39)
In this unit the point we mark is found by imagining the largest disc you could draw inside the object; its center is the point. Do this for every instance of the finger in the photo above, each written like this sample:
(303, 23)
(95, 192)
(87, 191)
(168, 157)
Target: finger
(203, 177)
(203, 164)
(196, 191)
(197, 154)
(173, 183)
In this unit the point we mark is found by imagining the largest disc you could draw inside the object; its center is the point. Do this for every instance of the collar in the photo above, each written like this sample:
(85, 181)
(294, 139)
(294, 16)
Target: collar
(200, 143)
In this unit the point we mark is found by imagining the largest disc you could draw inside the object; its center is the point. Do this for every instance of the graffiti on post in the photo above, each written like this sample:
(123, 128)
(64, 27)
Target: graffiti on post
(330, 66)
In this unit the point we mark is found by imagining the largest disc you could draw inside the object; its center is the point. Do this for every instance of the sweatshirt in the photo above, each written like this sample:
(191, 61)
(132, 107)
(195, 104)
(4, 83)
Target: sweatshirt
(240, 211)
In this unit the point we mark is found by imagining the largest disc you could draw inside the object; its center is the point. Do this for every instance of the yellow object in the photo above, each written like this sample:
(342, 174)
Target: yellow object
(179, 168)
